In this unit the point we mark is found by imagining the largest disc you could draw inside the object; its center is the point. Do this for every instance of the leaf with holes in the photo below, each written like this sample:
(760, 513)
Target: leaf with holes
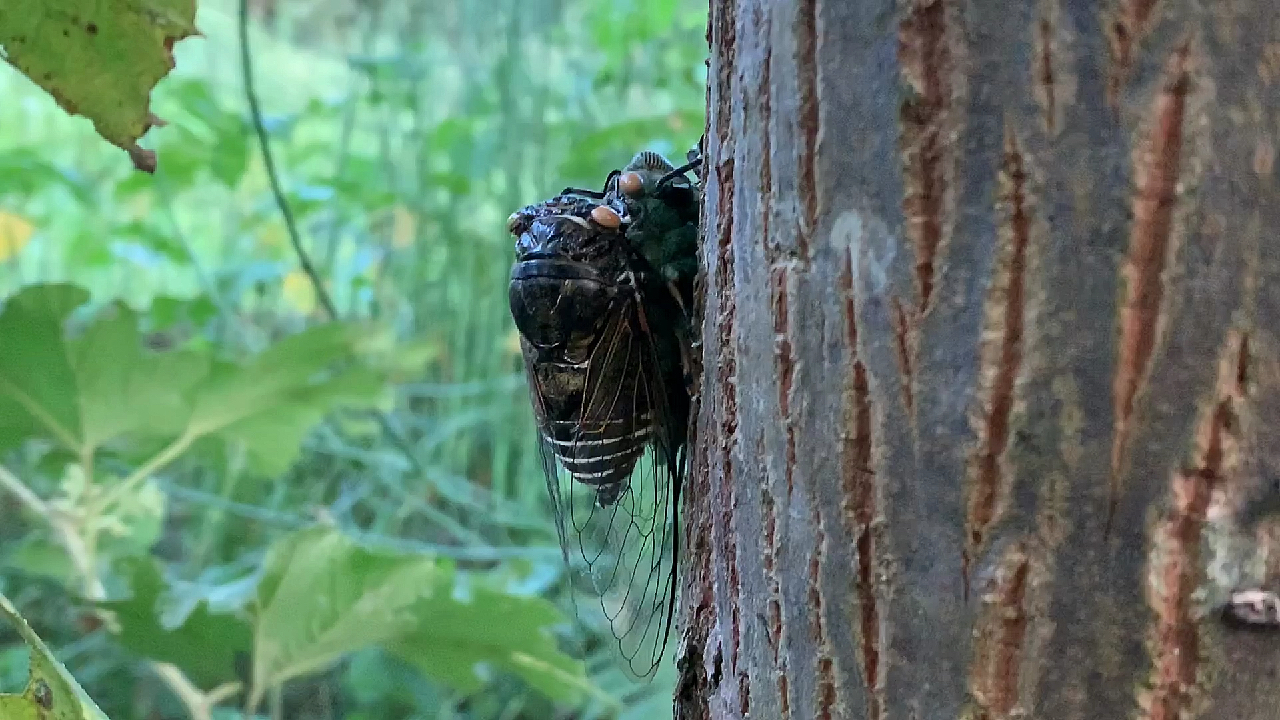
(51, 693)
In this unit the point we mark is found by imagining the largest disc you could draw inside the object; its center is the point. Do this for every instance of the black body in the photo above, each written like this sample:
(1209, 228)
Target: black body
(600, 293)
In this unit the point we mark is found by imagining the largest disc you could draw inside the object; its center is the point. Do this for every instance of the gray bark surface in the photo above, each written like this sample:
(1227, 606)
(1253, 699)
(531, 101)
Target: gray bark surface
(990, 404)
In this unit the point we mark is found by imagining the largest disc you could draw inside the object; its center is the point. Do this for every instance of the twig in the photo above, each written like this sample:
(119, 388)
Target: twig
(291, 225)
(24, 494)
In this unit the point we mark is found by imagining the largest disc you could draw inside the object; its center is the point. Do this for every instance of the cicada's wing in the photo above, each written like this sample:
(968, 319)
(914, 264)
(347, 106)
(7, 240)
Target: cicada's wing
(620, 459)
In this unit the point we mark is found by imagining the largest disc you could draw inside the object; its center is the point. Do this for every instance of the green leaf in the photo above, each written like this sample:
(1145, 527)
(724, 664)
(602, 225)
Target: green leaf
(51, 693)
(103, 385)
(202, 643)
(125, 389)
(272, 402)
(322, 596)
(38, 391)
(483, 625)
(99, 58)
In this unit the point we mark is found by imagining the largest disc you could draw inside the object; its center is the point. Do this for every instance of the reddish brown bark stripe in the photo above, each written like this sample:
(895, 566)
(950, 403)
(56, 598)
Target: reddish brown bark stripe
(926, 63)
(859, 498)
(1156, 169)
(1002, 633)
(1046, 93)
(807, 67)
(785, 358)
(1175, 558)
(1129, 24)
(902, 331)
(1001, 355)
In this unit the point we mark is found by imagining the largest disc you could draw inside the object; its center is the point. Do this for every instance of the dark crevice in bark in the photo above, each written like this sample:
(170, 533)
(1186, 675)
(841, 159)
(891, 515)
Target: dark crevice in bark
(1001, 354)
(1176, 567)
(785, 358)
(807, 67)
(826, 676)
(1156, 171)
(903, 332)
(1045, 91)
(859, 497)
(774, 620)
(1128, 25)
(926, 123)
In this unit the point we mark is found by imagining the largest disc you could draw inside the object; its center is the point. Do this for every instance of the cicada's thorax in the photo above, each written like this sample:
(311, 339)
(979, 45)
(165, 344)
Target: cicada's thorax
(571, 305)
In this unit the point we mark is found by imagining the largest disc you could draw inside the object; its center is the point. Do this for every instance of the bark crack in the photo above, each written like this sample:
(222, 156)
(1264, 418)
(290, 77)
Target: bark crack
(859, 498)
(784, 355)
(1002, 633)
(1175, 569)
(1129, 24)
(1001, 354)
(1156, 169)
(927, 125)
(807, 68)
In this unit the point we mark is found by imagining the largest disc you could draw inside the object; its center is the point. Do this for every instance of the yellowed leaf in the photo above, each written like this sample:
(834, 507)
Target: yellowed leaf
(274, 235)
(298, 292)
(512, 345)
(404, 226)
(15, 233)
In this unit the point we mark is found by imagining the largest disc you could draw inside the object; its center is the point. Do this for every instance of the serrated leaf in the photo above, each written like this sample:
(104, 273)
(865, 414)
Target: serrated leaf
(322, 596)
(51, 692)
(103, 385)
(99, 59)
(203, 644)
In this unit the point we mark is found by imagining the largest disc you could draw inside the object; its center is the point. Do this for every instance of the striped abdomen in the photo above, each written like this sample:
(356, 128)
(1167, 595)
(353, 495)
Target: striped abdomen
(603, 454)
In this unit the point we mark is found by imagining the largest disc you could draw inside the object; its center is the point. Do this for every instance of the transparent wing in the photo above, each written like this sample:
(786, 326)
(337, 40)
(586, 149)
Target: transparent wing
(620, 537)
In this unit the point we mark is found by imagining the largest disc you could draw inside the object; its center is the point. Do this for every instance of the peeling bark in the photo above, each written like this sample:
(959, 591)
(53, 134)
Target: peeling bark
(991, 372)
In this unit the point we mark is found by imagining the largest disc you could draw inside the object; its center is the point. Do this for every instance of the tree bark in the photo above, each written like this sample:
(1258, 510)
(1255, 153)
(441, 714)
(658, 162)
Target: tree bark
(991, 384)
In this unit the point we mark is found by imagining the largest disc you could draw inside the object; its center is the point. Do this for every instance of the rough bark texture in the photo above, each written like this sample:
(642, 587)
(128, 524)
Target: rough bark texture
(990, 413)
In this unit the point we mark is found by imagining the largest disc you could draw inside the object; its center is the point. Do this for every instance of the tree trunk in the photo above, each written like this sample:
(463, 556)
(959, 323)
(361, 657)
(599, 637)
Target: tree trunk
(991, 384)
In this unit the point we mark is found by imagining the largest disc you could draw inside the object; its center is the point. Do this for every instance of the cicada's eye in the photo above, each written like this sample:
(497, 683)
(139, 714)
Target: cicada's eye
(631, 184)
(513, 223)
(606, 216)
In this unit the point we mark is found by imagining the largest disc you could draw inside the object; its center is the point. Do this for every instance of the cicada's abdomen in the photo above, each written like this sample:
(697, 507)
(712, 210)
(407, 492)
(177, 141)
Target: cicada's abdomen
(611, 422)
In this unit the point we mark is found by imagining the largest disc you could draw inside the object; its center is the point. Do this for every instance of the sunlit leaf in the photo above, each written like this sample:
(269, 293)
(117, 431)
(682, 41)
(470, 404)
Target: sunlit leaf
(15, 233)
(51, 693)
(203, 644)
(322, 596)
(99, 59)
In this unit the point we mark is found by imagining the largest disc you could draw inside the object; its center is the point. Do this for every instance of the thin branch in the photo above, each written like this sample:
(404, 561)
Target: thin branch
(25, 495)
(255, 112)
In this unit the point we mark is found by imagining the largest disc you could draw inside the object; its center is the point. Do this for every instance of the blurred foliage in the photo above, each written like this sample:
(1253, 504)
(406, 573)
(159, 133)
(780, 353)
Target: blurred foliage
(215, 500)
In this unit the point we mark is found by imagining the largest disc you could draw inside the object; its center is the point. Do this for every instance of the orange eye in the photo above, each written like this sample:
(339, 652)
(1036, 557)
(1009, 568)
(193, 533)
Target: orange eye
(513, 223)
(605, 216)
(630, 183)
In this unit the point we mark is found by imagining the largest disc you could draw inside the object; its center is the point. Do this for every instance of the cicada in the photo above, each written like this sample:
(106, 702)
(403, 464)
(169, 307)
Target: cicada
(601, 292)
